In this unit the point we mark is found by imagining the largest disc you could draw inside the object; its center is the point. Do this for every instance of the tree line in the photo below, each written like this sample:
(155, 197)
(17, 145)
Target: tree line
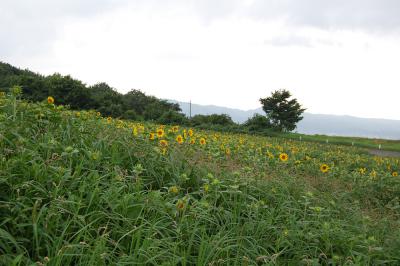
(282, 114)
(134, 105)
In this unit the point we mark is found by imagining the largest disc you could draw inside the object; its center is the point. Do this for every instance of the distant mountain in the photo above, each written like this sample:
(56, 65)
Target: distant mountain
(337, 125)
(343, 125)
(239, 116)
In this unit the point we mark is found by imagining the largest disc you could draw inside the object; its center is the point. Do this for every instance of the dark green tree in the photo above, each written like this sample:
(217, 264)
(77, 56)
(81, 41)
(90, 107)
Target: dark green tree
(67, 90)
(257, 123)
(213, 119)
(282, 112)
(173, 117)
(131, 115)
(107, 100)
(134, 105)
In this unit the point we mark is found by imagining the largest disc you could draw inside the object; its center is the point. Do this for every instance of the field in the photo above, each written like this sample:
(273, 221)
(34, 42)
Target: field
(80, 189)
(384, 144)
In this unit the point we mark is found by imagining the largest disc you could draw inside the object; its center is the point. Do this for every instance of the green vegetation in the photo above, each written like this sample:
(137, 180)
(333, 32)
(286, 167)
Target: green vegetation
(79, 189)
(389, 145)
(282, 112)
(133, 105)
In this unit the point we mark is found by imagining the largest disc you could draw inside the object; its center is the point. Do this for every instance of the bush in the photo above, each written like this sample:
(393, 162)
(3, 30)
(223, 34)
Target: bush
(173, 117)
(257, 123)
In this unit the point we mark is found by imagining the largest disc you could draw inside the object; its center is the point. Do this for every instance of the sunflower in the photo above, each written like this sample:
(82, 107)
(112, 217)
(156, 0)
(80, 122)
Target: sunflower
(50, 100)
(151, 136)
(135, 131)
(395, 174)
(190, 132)
(98, 114)
(173, 189)
(180, 205)
(324, 168)
(175, 128)
(160, 133)
(285, 232)
(202, 141)
(192, 141)
(373, 173)
(109, 119)
(163, 143)
(283, 157)
(141, 128)
(362, 170)
(179, 139)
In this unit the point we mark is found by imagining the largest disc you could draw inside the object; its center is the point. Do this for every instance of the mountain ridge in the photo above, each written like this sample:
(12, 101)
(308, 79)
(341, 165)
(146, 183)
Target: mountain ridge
(323, 124)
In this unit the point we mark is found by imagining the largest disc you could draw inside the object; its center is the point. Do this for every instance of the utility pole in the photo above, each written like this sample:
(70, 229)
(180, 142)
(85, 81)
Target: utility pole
(190, 109)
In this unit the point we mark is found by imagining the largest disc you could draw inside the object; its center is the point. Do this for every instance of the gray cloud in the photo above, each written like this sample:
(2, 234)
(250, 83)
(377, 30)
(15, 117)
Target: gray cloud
(369, 15)
(290, 40)
(28, 27)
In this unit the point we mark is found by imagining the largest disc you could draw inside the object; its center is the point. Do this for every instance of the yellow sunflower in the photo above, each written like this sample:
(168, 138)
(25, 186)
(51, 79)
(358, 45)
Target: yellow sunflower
(179, 139)
(163, 143)
(50, 100)
(175, 128)
(373, 173)
(324, 168)
(180, 205)
(173, 189)
(202, 141)
(151, 136)
(160, 133)
(135, 131)
(283, 157)
(190, 132)
(362, 170)
(395, 174)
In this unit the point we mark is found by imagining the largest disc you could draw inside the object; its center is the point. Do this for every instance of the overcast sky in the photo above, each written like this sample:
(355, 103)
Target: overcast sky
(336, 57)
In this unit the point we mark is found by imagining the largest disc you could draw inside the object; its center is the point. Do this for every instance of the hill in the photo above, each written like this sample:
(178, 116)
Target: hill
(134, 105)
(80, 189)
(313, 123)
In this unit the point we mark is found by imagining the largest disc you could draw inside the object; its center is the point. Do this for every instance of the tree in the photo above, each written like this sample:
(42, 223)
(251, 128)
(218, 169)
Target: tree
(282, 112)
(173, 117)
(134, 105)
(257, 123)
(213, 119)
(103, 95)
(67, 90)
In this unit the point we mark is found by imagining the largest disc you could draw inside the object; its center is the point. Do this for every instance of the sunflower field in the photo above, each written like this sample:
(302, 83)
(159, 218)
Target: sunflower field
(77, 188)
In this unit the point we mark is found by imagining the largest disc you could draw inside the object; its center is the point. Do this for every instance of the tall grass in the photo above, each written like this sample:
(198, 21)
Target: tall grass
(76, 190)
